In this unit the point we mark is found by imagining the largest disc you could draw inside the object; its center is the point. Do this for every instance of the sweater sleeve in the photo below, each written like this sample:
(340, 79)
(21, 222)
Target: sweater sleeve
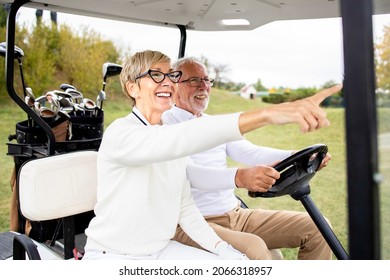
(209, 178)
(194, 224)
(138, 144)
(250, 154)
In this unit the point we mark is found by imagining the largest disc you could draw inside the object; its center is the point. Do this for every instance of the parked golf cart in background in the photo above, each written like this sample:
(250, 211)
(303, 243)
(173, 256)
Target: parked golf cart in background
(359, 83)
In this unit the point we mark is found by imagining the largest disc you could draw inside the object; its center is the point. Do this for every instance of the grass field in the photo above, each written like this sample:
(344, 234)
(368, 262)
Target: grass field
(328, 187)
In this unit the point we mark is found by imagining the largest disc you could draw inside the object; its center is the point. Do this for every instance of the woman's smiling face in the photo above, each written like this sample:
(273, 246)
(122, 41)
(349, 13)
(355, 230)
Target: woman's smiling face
(152, 98)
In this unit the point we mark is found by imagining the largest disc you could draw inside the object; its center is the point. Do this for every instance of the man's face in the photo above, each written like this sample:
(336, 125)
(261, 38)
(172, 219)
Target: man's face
(193, 97)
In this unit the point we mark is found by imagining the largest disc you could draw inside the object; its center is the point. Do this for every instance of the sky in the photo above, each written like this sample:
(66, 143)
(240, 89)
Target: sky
(293, 54)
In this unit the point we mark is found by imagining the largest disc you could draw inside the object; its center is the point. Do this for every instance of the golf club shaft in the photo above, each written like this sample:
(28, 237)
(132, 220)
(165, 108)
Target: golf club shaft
(29, 119)
(22, 77)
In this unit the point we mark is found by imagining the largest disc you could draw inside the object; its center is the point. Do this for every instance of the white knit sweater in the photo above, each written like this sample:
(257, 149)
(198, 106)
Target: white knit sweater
(143, 192)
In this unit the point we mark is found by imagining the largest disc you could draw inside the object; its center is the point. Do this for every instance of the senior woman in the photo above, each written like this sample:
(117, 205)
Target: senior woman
(143, 192)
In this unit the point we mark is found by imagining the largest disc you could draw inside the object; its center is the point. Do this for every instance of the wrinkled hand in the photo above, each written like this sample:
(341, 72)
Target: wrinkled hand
(257, 178)
(306, 112)
(227, 252)
(325, 161)
(262, 177)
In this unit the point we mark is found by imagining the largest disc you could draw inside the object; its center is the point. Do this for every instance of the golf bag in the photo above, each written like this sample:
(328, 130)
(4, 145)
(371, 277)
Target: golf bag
(86, 127)
(80, 132)
(77, 124)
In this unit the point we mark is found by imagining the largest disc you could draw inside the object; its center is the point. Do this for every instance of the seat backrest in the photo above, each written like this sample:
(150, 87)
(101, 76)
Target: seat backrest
(58, 186)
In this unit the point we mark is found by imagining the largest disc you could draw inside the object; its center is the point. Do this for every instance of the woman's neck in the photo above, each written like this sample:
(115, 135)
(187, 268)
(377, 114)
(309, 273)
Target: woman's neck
(153, 117)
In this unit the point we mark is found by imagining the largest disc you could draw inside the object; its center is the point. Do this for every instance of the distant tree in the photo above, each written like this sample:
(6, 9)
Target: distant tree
(382, 59)
(219, 71)
(328, 84)
(231, 86)
(21, 34)
(206, 62)
(41, 52)
(82, 58)
(259, 86)
(3, 14)
(56, 54)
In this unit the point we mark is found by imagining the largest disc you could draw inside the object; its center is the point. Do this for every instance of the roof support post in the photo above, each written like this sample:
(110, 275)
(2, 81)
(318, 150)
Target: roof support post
(361, 130)
(183, 40)
(9, 74)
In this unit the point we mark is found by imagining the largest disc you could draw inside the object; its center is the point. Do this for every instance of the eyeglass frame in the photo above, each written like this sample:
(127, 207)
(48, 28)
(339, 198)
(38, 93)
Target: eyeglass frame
(165, 75)
(208, 81)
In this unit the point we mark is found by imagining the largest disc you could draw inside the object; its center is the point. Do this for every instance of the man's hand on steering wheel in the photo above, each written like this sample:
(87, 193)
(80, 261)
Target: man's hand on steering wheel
(261, 178)
(325, 161)
(296, 172)
(258, 178)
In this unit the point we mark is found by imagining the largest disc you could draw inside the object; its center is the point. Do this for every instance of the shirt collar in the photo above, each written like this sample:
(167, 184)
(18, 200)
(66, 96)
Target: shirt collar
(182, 114)
(138, 113)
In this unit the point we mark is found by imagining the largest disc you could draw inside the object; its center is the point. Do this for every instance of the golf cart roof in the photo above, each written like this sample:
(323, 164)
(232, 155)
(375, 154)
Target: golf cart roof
(205, 15)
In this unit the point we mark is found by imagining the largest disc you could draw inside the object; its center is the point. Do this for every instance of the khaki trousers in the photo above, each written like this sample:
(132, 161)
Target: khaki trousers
(255, 231)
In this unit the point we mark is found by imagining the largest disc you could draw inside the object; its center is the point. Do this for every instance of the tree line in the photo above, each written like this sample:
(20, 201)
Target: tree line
(54, 54)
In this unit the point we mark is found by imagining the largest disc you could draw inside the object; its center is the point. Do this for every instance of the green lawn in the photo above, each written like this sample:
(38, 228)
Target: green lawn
(328, 186)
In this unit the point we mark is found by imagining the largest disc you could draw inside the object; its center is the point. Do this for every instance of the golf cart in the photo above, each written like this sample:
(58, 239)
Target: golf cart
(186, 15)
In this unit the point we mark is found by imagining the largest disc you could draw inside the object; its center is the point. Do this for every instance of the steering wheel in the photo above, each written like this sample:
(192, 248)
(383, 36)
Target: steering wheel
(295, 173)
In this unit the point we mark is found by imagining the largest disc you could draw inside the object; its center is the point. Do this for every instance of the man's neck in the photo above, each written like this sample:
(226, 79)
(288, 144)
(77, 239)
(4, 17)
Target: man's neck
(195, 113)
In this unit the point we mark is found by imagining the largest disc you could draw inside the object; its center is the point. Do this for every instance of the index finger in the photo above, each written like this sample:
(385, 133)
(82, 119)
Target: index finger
(321, 95)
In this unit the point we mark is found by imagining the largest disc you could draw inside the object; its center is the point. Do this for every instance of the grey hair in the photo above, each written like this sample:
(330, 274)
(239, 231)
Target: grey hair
(178, 64)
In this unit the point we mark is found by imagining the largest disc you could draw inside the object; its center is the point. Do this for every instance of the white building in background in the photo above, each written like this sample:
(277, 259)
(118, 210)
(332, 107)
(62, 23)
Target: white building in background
(248, 92)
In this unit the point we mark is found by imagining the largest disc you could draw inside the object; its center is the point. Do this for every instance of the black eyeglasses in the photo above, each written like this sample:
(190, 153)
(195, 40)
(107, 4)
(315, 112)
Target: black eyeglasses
(158, 76)
(195, 82)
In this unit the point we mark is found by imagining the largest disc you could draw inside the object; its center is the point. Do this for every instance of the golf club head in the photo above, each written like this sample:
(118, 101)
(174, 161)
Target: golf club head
(69, 109)
(53, 99)
(66, 86)
(77, 96)
(18, 52)
(47, 113)
(111, 69)
(41, 99)
(102, 95)
(29, 100)
(37, 106)
(100, 98)
(65, 102)
(64, 114)
(30, 92)
(88, 104)
(62, 94)
(79, 108)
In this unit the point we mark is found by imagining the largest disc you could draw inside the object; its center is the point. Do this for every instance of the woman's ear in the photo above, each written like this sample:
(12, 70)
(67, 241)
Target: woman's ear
(132, 89)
